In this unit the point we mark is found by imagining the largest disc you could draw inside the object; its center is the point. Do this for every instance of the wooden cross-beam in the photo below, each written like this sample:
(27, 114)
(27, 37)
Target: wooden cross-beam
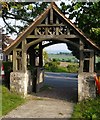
(52, 39)
(53, 36)
(50, 43)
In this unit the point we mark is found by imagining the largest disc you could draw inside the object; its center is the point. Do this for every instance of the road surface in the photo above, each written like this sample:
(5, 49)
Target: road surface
(64, 86)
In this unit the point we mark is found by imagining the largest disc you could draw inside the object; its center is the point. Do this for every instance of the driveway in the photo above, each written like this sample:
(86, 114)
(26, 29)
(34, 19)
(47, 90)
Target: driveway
(55, 100)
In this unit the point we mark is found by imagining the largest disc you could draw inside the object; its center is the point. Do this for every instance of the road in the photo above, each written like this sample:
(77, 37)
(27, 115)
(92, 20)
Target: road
(65, 85)
(56, 101)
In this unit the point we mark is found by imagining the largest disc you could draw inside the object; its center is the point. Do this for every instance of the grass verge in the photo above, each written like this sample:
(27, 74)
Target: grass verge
(10, 100)
(87, 109)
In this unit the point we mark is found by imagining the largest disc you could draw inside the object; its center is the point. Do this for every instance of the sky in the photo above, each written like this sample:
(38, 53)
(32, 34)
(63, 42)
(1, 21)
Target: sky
(54, 48)
(62, 47)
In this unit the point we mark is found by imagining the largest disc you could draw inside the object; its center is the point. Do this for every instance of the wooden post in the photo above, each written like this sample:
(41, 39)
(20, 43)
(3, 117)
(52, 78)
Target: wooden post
(81, 56)
(24, 57)
(94, 62)
(46, 29)
(51, 16)
(57, 28)
(14, 61)
(32, 57)
(40, 55)
(35, 31)
(91, 62)
(68, 31)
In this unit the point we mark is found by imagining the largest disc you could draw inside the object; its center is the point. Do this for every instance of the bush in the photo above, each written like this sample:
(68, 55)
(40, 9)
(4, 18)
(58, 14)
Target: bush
(54, 66)
(88, 109)
(72, 68)
(51, 66)
(7, 69)
(7, 66)
(98, 66)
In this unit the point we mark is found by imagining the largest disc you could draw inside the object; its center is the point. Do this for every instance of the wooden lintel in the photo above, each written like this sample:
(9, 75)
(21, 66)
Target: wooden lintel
(18, 49)
(86, 58)
(31, 36)
(49, 25)
(53, 36)
(88, 50)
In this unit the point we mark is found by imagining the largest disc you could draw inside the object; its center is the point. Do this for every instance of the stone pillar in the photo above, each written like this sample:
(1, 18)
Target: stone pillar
(86, 86)
(21, 82)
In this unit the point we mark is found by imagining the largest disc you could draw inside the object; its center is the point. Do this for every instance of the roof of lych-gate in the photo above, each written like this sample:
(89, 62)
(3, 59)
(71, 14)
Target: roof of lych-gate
(40, 18)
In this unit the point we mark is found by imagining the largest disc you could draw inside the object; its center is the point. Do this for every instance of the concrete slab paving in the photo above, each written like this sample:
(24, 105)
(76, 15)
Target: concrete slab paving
(50, 108)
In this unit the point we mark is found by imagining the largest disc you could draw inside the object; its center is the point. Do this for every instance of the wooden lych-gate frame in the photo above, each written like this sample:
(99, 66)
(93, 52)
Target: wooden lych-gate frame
(54, 27)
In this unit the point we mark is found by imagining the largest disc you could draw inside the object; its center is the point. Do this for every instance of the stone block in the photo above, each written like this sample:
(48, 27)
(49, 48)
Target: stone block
(86, 86)
(20, 82)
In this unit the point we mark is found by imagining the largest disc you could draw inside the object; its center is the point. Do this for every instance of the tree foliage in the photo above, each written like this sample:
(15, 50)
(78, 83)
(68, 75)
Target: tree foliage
(45, 56)
(86, 16)
(25, 12)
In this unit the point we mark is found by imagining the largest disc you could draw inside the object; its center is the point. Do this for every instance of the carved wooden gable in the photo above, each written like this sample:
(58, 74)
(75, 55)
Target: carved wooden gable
(50, 25)
(53, 26)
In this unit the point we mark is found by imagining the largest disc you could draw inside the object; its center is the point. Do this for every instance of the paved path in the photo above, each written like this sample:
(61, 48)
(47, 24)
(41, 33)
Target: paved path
(55, 102)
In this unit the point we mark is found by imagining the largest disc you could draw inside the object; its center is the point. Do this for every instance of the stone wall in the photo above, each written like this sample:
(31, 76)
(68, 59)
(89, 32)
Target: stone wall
(86, 86)
(21, 82)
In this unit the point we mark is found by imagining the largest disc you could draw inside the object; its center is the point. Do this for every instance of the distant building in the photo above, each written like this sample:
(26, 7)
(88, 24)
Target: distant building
(4, 42)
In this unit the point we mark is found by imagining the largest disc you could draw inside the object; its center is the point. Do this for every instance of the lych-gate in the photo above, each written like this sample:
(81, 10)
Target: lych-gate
(27, 50)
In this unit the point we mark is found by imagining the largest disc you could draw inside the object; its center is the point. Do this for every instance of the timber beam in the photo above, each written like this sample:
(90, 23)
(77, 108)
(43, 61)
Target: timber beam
(51, 25)
(52, 39)
(50, 43)
(52, 36)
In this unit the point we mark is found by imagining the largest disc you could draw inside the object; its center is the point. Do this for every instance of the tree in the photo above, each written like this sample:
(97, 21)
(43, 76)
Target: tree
(25, 12)
(45, 56)
(87, 17)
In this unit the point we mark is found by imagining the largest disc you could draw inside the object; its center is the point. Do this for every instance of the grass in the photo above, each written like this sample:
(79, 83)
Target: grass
(62, 57)
(57, 69)
(87, 109)
(10, 100)
(54, 67)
